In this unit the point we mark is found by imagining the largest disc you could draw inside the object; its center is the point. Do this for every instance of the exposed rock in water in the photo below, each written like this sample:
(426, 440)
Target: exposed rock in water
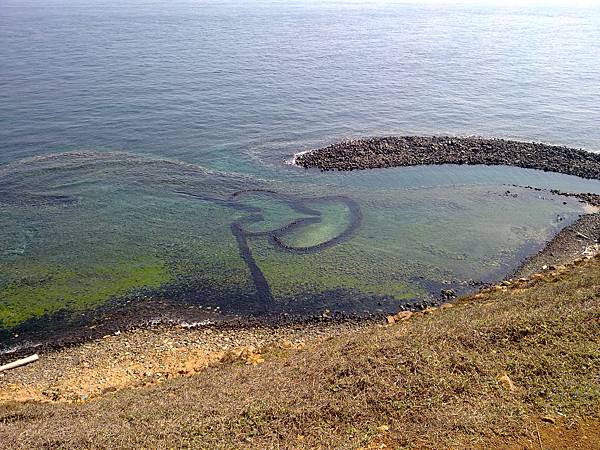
(417, 150)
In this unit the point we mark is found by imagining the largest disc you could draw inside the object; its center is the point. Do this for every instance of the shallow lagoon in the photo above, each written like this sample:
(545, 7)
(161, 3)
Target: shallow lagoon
(83, 230)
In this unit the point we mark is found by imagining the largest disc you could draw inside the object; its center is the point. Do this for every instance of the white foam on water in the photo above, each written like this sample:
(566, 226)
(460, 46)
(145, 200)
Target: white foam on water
(294, 158)
(21, 346)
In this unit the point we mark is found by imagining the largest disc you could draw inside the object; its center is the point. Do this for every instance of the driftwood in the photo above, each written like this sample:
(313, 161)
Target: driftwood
(19, 362)
(583, 236)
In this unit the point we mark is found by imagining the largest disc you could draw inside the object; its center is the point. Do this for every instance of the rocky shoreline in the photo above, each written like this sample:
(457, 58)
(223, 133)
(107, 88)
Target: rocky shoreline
(403, 151)
(581, 238)
(145, 356)
(573, 242)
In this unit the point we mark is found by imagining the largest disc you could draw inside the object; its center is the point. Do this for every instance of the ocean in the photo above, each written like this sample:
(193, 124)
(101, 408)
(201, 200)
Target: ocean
(135, 135)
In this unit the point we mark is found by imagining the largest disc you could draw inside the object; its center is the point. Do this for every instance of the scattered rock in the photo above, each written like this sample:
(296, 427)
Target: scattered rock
(254, 359)
(507, 382)
(448, 294)
(404, 315)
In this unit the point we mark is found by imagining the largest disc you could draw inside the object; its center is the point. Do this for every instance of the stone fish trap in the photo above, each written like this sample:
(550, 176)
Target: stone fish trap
(299, 205)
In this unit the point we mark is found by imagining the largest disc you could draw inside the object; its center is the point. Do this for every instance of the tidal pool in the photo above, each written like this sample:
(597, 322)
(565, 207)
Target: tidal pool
(95, 237)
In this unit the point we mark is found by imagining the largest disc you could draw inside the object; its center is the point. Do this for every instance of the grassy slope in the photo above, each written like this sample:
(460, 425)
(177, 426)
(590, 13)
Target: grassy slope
(433, 380)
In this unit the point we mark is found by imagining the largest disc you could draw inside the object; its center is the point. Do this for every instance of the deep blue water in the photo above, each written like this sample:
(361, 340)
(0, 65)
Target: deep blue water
(128, 130)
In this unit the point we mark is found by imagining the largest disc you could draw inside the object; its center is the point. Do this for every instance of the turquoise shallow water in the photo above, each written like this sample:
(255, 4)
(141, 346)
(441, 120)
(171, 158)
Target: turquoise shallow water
(143, 154)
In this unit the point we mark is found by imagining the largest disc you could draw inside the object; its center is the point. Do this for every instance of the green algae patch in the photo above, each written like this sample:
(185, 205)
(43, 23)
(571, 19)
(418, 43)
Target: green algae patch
(331, 269)
(47, 289)
(335, 218)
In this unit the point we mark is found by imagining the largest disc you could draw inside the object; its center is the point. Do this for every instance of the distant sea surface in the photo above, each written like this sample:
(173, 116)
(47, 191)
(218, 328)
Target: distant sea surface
(221, 83)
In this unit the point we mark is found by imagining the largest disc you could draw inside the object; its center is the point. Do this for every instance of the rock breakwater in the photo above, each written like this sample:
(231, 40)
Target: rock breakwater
(398, 151)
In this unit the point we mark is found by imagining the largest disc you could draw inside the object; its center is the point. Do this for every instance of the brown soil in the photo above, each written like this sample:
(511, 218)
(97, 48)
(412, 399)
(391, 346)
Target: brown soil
(147, 356)
(550, 433)
(572, 435)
